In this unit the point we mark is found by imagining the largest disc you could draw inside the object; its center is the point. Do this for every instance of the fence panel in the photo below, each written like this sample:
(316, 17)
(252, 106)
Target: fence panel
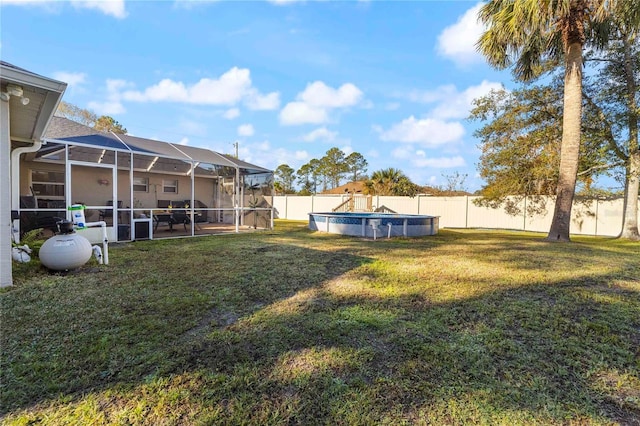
(452, 210)
(406, 205)
(486, 217)
(609, 217)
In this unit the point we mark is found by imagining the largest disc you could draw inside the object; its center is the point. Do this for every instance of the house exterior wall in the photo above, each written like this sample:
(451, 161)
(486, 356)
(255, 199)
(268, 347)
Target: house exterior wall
(87, 190)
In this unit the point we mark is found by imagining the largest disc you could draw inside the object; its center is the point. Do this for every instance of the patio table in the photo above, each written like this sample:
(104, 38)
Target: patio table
(166, 217)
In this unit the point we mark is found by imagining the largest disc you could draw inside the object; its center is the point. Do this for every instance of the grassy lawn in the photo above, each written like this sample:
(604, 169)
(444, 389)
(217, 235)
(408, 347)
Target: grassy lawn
(294, 327)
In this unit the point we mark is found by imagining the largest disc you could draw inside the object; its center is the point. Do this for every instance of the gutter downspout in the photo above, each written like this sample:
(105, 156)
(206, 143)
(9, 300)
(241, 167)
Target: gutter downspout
(15, 181)
(237, 201)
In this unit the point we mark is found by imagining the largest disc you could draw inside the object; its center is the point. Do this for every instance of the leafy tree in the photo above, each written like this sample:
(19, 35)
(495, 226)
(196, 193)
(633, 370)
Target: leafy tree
(88, 118)
(520, 146)
(278, 189)
(333, 166)
(307, 177)
(391, 181)
(77, 114)
(617, 101)
(528, 34)
(455, 182)
(285, 176)
(108, 124)
(356, 165)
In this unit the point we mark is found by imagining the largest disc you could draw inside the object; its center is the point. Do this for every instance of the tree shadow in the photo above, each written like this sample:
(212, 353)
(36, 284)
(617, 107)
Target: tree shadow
(99, 327)
(539, 351)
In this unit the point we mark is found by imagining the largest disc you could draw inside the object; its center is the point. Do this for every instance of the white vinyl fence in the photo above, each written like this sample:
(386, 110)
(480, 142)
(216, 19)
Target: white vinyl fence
(595, 217)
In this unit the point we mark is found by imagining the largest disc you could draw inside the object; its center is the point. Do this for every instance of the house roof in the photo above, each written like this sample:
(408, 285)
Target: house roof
(245, 165)
(64, 130)
(28, 122)
(350, 188)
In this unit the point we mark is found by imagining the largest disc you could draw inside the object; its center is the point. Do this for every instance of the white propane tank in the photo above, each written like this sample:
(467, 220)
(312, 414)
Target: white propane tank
(66, 251)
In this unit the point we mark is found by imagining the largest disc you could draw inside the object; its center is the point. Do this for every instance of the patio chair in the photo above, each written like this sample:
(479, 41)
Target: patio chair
(103, 214)
(200, 213)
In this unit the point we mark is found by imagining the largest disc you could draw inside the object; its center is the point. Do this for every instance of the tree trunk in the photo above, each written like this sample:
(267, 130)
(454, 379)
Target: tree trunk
(632, 184)
(570, 146)
(632, 189)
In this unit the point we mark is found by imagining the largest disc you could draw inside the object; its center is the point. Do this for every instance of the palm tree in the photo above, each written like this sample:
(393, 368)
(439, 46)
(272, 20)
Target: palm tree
(383, 181)
(531, 35)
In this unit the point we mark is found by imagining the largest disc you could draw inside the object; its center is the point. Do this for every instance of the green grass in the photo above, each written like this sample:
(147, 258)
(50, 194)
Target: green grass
(294, 327)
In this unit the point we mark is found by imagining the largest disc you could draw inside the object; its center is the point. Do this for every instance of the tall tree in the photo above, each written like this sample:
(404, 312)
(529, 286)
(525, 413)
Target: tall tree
(356, 165)
(334, 166)
(285, 176)
(617, 97)
(89, 118)
(108, 124)
(520, 146)
(307, 177)
(527, 34)
(77, 114)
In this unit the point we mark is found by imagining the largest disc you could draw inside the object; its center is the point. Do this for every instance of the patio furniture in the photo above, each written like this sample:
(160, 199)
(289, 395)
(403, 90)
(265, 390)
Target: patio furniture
(39, 219)
(103, 214)
(163, 217)
(200, 213)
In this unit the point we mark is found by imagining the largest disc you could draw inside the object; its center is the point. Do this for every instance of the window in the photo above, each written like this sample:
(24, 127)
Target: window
(170, 186)
(47, 184)
(140, 184)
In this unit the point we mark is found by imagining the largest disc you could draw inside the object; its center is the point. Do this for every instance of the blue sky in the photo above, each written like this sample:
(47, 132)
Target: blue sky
(288, 80)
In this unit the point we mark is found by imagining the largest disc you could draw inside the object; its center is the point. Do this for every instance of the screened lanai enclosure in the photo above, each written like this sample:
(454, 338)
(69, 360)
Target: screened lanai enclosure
(142, 188)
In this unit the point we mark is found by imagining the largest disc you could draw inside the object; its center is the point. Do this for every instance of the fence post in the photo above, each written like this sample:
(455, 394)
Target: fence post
(524, 214)
(597, 202)
(466, 213)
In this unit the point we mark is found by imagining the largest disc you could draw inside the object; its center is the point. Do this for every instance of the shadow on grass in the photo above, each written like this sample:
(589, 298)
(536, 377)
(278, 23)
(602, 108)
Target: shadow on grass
(94, 328)
(537, 353)
(297, 338)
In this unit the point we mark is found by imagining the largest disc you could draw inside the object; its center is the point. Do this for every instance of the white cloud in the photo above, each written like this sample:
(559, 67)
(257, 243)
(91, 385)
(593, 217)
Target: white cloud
(457, 41)
(267, 156)
(232, 113)
(300, 113)
(460, 104)
(229, 89)
(183, 141)
(418, 158)
(316, 101)
(321, 133)
(246, 130)
(108, 7)
(450, 102)
(439, 94)
(114, 8)
(320, 95)
(107, 107)
(438, 162)
(73, 79)
(113, 104)
(427, 132)
(257, 102)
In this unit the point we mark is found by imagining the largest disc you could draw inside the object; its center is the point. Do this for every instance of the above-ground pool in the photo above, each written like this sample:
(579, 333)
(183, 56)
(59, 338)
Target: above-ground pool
(374, 225)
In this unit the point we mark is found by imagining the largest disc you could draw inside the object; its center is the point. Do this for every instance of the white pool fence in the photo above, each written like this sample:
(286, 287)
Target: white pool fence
(593, 217)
